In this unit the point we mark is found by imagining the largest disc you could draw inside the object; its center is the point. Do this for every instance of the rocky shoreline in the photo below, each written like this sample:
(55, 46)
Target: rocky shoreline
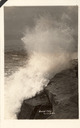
(59, 100)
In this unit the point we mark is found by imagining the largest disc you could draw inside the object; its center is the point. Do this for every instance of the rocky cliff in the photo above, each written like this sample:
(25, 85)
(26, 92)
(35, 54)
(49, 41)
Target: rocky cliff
(59, 100)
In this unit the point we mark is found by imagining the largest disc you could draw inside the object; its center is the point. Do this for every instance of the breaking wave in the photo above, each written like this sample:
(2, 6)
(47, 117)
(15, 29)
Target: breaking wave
(50, 46)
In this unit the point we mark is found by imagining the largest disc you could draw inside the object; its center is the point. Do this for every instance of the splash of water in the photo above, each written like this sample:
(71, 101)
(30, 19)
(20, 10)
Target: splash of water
(51, 46)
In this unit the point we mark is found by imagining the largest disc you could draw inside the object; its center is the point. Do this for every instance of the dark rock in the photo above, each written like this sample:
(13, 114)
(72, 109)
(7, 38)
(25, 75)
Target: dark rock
(38, 107)
(59, 100)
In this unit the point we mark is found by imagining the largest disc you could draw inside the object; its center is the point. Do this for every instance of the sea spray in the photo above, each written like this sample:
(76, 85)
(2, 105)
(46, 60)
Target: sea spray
(50, 46)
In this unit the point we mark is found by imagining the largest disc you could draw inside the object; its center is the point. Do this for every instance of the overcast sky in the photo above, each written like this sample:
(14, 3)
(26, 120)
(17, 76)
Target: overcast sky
(17, 18)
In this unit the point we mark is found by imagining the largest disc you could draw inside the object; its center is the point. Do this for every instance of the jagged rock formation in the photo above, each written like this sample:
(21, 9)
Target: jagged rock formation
(59, 100)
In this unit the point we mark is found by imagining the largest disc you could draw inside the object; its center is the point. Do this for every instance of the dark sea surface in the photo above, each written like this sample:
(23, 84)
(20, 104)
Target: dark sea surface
(14, 60)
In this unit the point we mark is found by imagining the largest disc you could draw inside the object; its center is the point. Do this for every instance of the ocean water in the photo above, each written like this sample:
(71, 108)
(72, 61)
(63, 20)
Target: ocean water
(13, 61)
(50, 46)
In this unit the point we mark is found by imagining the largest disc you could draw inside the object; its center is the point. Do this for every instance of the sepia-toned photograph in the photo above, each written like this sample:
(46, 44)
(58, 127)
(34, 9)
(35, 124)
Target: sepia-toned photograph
(41, 62)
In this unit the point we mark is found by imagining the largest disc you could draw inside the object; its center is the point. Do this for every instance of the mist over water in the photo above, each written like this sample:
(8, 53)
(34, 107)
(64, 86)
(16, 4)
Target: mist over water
(50, 45)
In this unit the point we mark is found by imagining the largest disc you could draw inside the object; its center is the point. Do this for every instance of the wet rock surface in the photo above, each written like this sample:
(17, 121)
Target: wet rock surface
(59, 100)
(38, 107)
